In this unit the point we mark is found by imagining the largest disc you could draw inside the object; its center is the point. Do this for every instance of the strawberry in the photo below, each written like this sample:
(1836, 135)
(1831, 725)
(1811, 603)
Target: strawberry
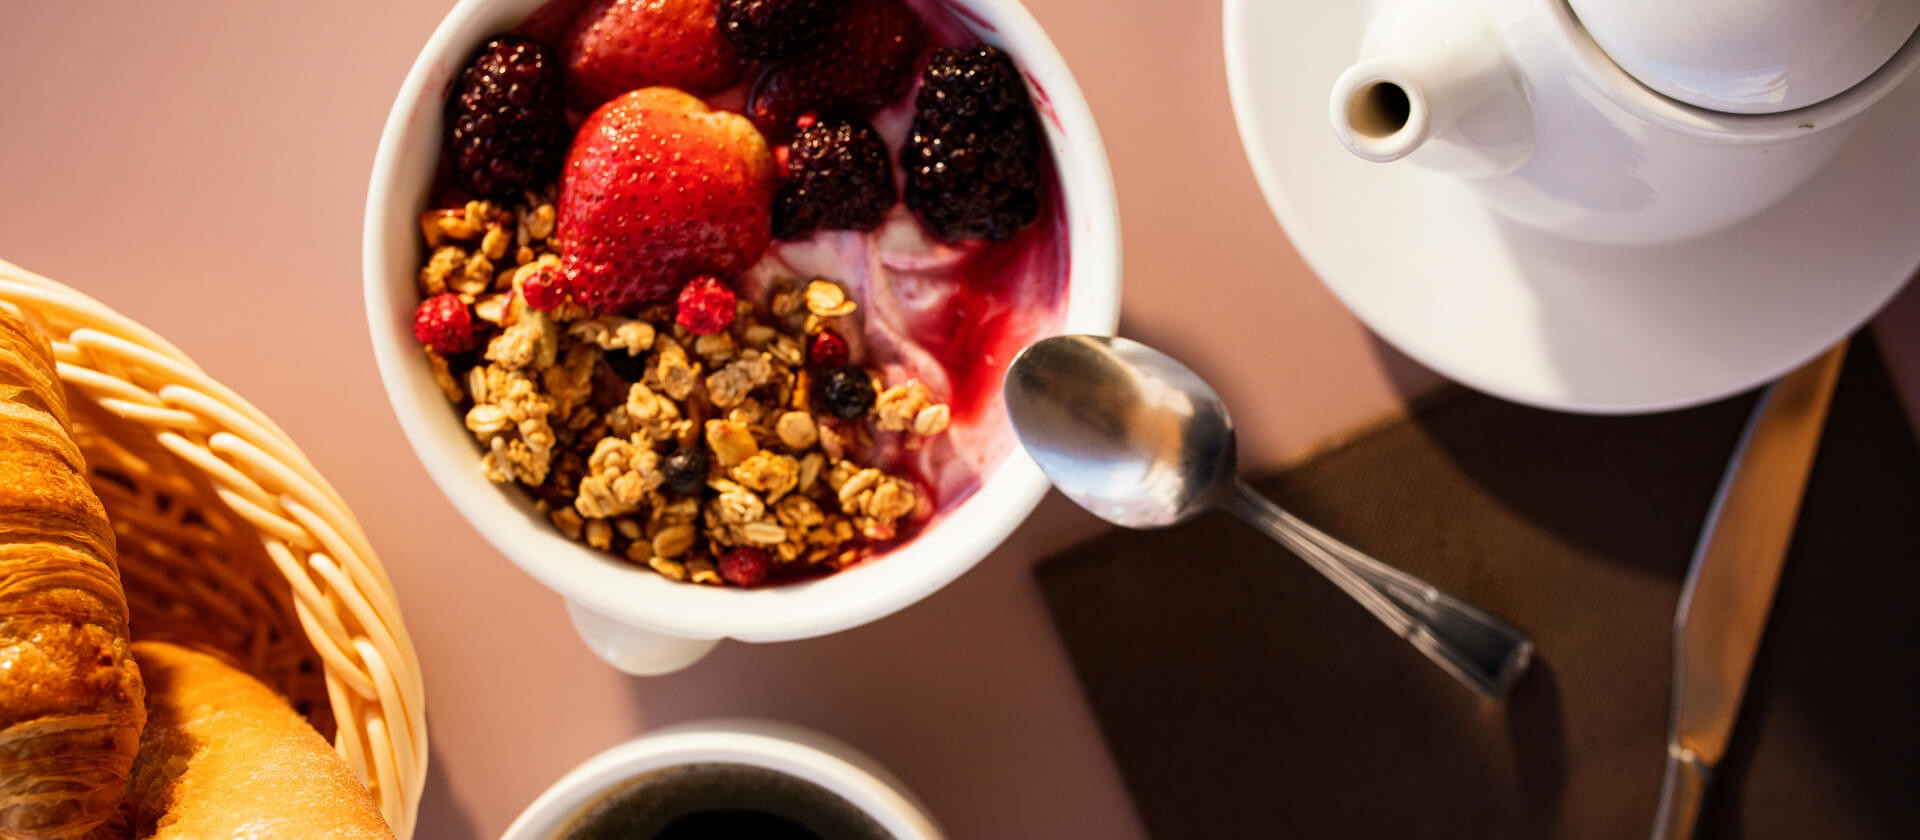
(614, 46)
(658, 189)
(864, 61)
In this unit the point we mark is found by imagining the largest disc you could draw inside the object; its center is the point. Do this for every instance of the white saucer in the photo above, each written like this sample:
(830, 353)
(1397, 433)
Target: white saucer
(1545, 321)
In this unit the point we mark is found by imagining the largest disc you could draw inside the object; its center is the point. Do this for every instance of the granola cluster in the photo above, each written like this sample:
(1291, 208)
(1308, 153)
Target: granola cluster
(593, 414)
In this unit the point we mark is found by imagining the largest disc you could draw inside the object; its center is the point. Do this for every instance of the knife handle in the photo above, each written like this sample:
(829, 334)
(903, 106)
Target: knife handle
(1681, 795)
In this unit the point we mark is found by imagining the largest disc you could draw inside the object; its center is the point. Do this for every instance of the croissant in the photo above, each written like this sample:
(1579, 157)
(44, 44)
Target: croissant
(71, 701)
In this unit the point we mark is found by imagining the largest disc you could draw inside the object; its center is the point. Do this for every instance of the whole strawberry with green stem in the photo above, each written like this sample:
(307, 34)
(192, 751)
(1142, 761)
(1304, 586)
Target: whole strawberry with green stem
(659, 189)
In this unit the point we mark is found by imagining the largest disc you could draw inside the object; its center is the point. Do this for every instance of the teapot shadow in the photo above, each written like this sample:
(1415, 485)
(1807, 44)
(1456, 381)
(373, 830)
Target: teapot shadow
(1555, 474)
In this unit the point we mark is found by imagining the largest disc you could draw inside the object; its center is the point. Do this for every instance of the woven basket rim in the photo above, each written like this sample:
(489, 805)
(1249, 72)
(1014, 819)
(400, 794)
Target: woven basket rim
(341, 594)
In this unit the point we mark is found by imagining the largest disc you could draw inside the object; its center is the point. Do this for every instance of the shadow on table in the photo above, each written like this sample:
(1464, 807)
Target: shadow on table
(442, 817)
(1825, 742)
(1609, 486)
(1626, 497)
(1243, 696)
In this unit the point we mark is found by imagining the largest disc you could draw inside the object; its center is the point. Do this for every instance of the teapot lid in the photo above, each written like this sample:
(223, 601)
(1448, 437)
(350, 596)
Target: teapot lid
(1749, 56)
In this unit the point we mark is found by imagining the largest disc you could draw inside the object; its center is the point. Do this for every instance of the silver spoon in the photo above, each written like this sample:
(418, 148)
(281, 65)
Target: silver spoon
(1141, 441)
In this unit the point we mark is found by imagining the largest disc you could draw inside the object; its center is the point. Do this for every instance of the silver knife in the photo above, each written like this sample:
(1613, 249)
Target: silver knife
(1729, 589)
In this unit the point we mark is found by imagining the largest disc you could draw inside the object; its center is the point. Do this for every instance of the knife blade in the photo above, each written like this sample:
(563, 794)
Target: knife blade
(1729, 588)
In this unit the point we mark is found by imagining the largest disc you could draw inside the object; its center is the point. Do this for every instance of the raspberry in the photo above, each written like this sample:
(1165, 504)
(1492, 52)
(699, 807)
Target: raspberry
(973, 156)
(506, 123)
(545, 289)
(838, 177)
(444, 323)
(847, 392)
(770, 30)
(745, 566)
(685, 471)
(827, 350)
(706, 306)
(626, 364)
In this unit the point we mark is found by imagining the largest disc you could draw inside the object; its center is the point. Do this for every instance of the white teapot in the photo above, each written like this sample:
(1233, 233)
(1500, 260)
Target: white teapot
(1622, 121)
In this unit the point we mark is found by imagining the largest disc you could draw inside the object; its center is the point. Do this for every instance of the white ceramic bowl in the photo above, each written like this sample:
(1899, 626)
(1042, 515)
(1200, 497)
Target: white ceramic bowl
(780, 747)
(633, 618)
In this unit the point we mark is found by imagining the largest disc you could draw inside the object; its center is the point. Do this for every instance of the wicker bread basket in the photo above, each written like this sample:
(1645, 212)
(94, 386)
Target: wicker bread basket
(232, 543)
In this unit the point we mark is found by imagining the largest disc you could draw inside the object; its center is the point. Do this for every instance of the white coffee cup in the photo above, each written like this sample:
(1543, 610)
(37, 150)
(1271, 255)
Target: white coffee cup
(636, 620)
(803, 754)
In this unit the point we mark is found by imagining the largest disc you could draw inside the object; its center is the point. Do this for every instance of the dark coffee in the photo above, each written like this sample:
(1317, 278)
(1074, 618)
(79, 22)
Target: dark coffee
(695, 801)
(757, 824)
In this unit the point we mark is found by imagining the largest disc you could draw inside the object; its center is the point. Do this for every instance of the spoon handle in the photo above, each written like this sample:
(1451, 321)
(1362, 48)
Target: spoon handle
(1480, 650)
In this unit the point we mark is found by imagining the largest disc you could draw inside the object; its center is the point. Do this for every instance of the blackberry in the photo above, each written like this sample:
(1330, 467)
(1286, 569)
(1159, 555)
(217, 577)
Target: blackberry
(506, 124)
(685, 471)
(846, 391)
(973, 178)
(970, 82)
(626, 364)
(973, 156)
(770, 30)
(838, 178)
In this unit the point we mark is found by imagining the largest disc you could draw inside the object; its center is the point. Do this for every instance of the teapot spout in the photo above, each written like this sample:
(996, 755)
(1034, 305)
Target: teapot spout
(1434, 86)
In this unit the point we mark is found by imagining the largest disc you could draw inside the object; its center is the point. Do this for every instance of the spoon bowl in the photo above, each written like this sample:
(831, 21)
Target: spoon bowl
(1122, 429)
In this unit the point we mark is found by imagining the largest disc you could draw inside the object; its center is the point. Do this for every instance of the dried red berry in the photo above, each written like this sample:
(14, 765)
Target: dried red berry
(745, 567)
(827, 350)
(444, 323)
(706, 306)
(544, 289)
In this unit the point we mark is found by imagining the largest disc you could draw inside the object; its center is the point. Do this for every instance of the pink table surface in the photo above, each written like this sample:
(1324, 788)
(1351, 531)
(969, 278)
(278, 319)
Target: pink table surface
(202, 165)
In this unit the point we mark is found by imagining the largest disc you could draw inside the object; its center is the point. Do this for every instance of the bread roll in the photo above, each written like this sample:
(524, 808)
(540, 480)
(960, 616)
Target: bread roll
(70, 695)
(225, 757)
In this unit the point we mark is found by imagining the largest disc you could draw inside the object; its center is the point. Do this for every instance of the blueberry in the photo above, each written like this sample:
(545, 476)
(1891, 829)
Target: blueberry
(685, 471)
(846, 391)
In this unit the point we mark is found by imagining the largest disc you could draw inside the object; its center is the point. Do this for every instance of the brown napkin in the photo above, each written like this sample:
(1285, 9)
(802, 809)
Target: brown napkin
(1243, 696)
